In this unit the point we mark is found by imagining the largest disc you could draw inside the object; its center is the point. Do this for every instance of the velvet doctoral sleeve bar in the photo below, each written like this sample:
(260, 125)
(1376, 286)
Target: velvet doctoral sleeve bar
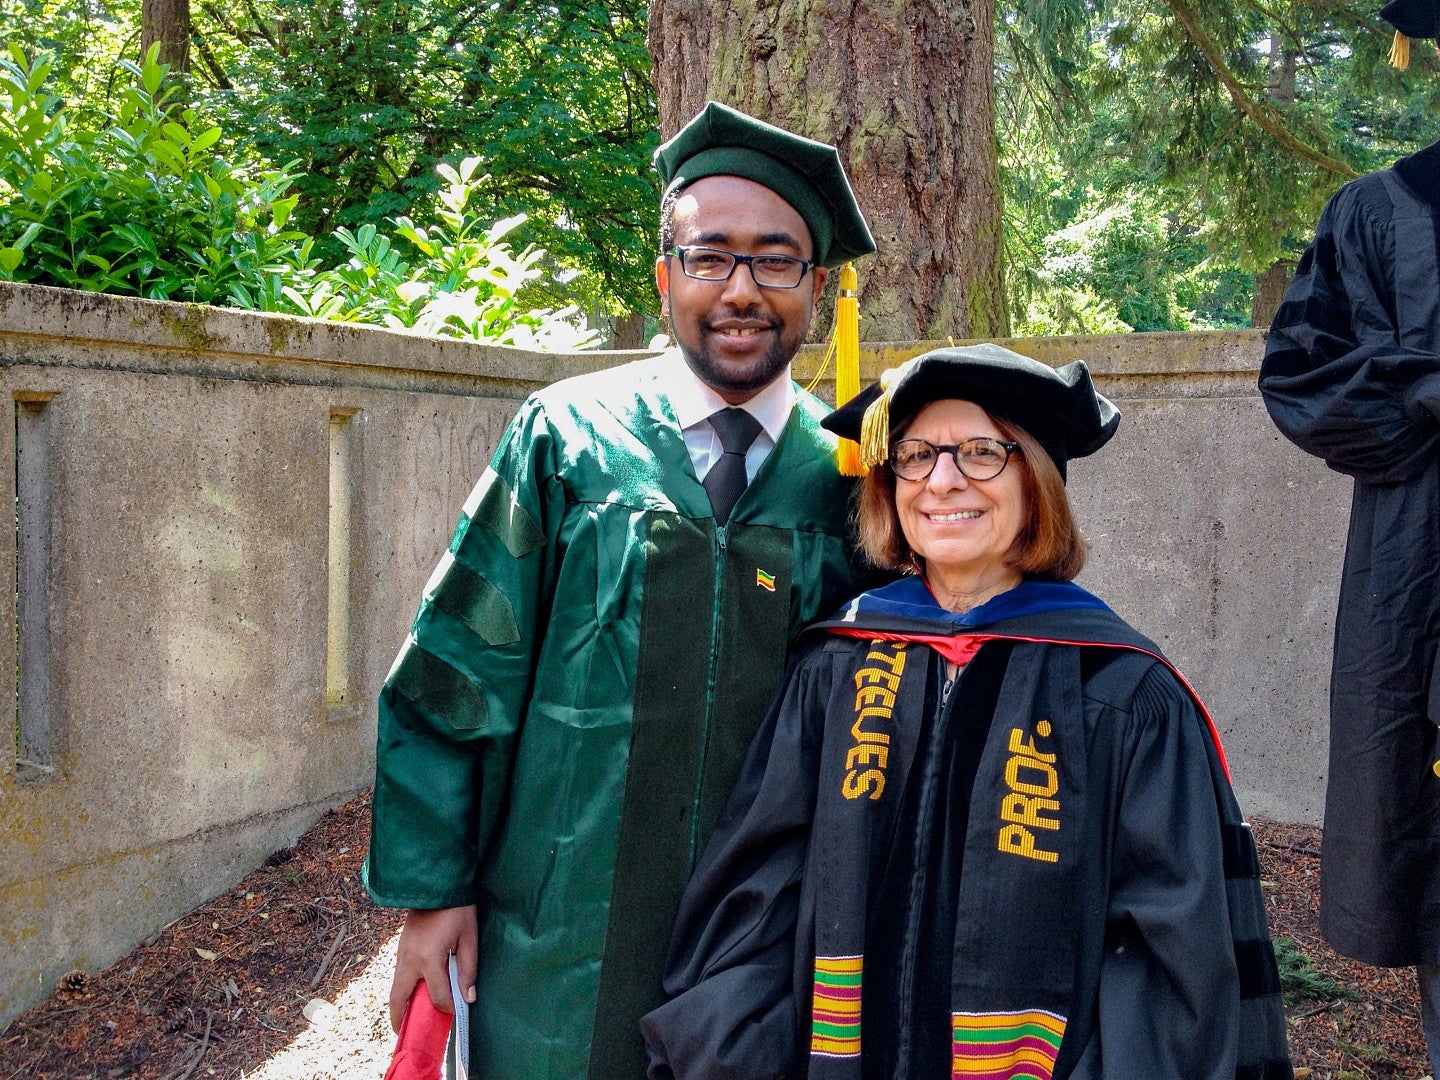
(452, 704)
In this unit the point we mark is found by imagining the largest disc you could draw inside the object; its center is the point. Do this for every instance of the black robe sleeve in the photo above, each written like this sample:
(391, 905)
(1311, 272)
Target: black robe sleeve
(1336, 378)
(732, 1010)
(1168, 943)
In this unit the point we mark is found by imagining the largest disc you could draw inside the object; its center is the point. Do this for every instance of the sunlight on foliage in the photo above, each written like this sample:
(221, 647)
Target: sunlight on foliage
(466, 281)
(1126, 267)
(1192, 155)
(369, 98)
(143, 205)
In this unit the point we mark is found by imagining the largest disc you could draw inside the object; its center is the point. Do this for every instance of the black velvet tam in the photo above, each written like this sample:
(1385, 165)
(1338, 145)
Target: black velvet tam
(1059, 407)
(1413, 18)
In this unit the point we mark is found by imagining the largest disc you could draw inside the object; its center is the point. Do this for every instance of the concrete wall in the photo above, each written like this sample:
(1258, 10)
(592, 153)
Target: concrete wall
(225, 521)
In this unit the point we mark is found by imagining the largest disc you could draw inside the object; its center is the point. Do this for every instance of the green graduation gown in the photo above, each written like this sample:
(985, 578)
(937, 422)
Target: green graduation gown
(568, 714)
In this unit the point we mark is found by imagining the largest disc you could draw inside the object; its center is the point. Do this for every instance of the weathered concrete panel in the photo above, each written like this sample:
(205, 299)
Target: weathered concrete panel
(189, 577)
(188, 592)
(1217, 538)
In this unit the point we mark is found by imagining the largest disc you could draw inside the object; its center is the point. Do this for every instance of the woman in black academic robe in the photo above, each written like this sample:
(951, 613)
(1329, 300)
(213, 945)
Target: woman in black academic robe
(987, 830)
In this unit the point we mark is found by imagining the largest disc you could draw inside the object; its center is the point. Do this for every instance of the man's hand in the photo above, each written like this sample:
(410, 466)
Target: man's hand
(426, 941)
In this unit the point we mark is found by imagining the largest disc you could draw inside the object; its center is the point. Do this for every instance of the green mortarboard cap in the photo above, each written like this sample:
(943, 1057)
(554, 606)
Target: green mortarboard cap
(721, 141)
(1413, 18)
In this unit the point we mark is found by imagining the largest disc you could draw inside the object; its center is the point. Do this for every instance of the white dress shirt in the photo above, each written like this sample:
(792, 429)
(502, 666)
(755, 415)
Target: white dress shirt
(694, 402)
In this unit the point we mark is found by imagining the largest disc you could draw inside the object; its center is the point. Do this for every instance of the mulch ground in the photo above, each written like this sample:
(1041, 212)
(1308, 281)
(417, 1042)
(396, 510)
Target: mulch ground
(222, 991)
(219, 991)
(1373, 1032)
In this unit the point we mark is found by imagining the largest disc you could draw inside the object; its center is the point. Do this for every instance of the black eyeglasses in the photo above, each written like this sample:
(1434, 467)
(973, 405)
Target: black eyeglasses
(717, 264)
(977, 459)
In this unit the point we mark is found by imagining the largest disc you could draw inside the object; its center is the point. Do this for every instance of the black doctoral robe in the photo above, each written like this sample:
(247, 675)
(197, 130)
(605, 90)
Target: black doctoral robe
(1352, 375)
(1041, 873)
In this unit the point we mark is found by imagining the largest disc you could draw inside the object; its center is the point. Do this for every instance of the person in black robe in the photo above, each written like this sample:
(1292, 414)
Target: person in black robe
(1352, 375)
(987, 830)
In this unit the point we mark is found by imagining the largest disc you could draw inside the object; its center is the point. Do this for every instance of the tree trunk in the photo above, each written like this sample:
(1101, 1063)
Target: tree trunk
(629, 331)
(905, 89)
(168, 22)
(1269, 291)
(1270, 285)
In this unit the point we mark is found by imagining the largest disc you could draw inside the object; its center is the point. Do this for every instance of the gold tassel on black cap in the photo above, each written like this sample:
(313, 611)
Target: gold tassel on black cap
(1400, 51)
(1411, 19)
(875, 427)
(845, 348)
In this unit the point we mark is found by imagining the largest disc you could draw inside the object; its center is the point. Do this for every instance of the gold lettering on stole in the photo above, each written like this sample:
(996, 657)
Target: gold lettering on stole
(875, 686)
(1031, 780)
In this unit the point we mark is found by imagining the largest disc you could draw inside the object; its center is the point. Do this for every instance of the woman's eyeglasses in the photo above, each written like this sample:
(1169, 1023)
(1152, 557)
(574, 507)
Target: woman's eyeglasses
(977, 459)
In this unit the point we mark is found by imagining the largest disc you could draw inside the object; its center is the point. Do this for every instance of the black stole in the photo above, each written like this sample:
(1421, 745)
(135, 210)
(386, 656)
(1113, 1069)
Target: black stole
(1016, 931)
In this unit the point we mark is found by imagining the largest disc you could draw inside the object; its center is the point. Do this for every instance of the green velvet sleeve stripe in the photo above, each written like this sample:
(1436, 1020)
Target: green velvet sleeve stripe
(471, 598)
(501, 670)
(444, 696)
(493, 505)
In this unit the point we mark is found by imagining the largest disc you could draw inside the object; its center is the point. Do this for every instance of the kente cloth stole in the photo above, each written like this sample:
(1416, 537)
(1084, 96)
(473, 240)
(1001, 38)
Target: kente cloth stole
(1023, 877)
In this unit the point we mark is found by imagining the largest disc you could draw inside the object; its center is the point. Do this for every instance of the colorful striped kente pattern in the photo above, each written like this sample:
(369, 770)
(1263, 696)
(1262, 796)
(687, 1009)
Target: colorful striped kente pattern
(1006, 1046)
(835, 1012)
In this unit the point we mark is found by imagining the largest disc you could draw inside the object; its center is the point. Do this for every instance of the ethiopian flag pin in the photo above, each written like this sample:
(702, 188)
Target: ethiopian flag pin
(764, 580)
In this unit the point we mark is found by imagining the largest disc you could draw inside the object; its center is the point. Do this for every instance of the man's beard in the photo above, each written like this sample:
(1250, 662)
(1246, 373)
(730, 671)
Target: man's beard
(726, 379)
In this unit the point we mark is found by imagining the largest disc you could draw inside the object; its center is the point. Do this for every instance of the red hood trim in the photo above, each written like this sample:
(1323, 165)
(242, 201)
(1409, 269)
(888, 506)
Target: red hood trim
(961, 649)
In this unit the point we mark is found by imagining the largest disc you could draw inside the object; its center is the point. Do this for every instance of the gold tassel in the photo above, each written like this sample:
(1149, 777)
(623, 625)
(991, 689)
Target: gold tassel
(847, 361)
(1400, 51)
(814, 383)
(875, 426)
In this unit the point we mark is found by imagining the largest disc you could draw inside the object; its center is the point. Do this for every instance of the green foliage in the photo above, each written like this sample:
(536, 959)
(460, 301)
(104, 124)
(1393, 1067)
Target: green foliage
(1130, 265)
(87, 40)
(1300, 982)
(367, 99)
(1232, 121)
(555, 99)
(1122, 254)
(1217, 296)
(144, 206)
(466, 281)
(140, 207)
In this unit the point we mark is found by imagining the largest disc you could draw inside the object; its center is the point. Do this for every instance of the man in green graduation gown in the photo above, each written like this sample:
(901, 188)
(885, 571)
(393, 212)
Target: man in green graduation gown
(597, 647)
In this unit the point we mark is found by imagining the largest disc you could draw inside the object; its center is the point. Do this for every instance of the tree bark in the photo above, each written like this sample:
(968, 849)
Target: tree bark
(168, 22)
(629, 331)
(1270, 285)
(905, 89)
(1269, 292)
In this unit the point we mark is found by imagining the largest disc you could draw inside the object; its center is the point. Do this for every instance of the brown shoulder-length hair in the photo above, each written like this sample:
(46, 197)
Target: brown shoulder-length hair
(1048, 547)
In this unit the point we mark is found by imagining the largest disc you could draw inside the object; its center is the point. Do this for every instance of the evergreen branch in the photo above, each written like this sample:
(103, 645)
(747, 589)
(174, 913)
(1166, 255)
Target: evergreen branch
(1266, 118)
(224, 21)
(202, 49)
(262, 27)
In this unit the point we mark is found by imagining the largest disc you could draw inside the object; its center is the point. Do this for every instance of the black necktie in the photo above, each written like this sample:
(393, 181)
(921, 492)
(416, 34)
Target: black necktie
(726, 479)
